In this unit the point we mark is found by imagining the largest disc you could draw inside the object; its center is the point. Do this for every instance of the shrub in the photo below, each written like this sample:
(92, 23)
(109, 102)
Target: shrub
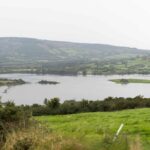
(23, 144)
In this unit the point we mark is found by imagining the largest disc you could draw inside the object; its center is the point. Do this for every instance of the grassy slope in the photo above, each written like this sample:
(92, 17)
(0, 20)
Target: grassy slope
(93, 126)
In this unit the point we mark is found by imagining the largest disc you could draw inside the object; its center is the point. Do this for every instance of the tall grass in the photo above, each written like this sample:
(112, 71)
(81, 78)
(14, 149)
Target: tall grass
(37, 137)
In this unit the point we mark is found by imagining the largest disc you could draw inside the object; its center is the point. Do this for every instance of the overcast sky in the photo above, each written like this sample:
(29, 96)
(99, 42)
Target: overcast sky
(117, 22)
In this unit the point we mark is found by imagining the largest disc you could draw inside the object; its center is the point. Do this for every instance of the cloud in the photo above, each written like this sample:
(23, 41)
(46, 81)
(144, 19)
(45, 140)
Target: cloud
(118, 22)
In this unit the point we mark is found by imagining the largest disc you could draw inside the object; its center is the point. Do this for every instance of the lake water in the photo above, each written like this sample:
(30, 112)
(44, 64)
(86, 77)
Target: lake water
(71, 87)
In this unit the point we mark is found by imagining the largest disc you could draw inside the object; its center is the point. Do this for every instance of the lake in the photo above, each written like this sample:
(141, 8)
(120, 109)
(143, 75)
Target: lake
(71, 87)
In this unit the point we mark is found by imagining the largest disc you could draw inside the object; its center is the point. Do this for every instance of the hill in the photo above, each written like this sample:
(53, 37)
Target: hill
(34, 55)
(91, 128)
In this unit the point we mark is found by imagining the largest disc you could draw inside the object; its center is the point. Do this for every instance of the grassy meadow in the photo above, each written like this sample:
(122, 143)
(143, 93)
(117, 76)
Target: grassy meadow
(96, 130)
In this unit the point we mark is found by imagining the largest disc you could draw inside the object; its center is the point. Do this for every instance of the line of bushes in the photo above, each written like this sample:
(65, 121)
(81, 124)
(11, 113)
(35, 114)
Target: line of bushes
(54, 107)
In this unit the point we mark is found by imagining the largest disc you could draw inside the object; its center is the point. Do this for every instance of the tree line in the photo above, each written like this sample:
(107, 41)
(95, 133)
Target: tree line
(54, 107)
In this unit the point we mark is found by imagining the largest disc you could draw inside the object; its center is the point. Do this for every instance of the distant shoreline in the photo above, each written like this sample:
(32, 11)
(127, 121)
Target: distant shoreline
(127, 81)
(11, 82)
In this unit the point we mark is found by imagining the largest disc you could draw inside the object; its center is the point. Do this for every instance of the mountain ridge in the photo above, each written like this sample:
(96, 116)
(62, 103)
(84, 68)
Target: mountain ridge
(71, 42)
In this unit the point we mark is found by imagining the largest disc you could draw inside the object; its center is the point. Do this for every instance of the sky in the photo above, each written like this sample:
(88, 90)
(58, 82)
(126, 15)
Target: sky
(115, 22)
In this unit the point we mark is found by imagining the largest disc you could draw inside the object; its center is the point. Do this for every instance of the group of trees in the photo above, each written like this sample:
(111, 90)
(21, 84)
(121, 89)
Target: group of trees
(53, 106)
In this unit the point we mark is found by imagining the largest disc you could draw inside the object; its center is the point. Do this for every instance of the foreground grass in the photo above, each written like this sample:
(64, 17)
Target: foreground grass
(93, 128)
(39, 138)
(126, 81)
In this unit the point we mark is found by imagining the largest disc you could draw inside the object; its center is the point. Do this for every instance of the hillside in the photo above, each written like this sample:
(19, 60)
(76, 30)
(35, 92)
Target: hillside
(27, 54)
(91, 128)
(27, 49)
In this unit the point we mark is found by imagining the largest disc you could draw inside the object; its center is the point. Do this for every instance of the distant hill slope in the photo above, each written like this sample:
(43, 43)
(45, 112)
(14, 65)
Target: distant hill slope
(25, 50)
(27, 55)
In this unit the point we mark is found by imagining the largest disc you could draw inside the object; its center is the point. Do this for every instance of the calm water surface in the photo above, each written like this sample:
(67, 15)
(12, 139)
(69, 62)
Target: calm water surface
(70, 87)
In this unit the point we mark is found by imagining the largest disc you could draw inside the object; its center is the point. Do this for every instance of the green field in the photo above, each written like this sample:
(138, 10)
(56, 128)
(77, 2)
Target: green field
(91, 128)
(126, 81)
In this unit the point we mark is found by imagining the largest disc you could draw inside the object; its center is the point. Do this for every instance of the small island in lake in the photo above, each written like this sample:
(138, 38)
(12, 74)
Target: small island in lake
(48, 82)
(11, 82)
(126, 81)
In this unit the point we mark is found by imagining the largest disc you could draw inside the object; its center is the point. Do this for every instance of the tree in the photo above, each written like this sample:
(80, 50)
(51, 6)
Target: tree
(53, 103)
(45, 101)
